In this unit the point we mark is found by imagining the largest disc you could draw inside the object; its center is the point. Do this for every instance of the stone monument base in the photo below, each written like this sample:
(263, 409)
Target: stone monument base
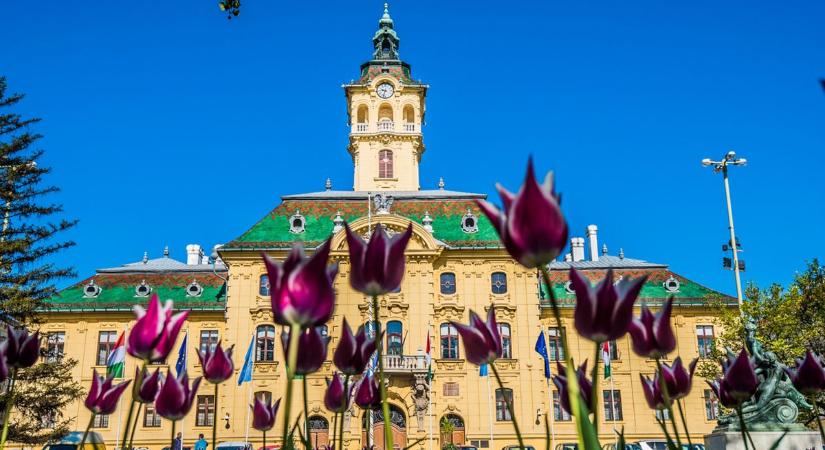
(794, 440)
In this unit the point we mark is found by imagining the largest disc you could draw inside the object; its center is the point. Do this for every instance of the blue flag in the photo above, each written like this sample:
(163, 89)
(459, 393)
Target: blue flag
(541, 348)
(180, 366)
(482, 370)
(246, 370)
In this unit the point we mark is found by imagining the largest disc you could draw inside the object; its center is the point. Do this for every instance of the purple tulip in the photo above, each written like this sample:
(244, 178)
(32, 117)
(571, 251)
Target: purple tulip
(336, 399)
(482, 342)
(176, 397)
(809, 375)
(653, 392)
(377, 266)
(585, 387)
(678, 379)
(21, 348)
(263, 414)
(103, 397)
(156, 330)
(531, 227)
(149, 387)
(604, 312)
(652, 335)
(738, 382)
(301, 288)
(353, 352)
(4, 367)
(217, 365)
(367, 394)
(312, 350)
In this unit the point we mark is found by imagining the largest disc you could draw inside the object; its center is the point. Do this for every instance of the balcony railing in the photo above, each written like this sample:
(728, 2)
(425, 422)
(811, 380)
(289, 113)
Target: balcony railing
(405, 364)
(386, 125)
(409, 127)
(383, 126)
(361, 127)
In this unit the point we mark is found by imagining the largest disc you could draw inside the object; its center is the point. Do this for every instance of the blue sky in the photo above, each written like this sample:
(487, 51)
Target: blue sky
(166, 124)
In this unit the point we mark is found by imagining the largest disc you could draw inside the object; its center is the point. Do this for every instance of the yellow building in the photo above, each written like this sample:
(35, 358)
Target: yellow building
(455, 263)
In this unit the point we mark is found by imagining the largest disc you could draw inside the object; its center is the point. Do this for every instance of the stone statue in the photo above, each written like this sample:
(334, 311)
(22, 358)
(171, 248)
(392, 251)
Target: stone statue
(382, 203)
(776, 404)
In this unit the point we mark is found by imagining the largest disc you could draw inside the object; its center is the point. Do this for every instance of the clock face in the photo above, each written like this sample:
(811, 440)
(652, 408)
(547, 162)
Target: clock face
(385, 90)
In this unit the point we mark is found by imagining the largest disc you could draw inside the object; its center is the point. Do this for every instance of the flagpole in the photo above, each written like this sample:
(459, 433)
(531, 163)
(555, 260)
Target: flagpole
(185, 350)
(490, 408)
(430, 386)
(613, 405)
(120, 401)
(246, 420)
(552, 408)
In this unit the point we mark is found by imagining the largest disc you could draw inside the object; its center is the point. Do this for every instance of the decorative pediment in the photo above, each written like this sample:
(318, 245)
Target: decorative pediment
(449, 311)
(421, 241)
(504, 311)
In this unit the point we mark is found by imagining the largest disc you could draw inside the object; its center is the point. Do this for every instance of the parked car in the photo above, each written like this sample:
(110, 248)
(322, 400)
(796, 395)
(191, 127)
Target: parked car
(626, 447)
(652, 444)
(693, 447)
(466, 447)
(567, 446)
(234, 446)
(270, 447)
(184, 448)
(94, 441)
(516, 447)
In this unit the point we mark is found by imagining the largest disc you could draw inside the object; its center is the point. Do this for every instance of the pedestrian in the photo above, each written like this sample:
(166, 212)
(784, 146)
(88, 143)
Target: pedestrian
(201, 443)
(178, 443)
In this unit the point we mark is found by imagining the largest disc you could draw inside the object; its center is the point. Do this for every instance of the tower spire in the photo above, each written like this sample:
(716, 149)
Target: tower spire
(385, 40)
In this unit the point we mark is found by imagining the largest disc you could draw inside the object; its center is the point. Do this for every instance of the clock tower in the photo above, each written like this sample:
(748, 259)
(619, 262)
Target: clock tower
(386, 111)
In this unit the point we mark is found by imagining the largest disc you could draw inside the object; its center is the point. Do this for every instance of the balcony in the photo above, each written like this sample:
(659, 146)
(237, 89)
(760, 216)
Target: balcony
(386, 125)
(361, 128)
(405, 364)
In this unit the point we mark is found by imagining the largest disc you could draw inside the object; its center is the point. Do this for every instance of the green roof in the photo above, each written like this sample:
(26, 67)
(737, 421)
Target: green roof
(273, 230)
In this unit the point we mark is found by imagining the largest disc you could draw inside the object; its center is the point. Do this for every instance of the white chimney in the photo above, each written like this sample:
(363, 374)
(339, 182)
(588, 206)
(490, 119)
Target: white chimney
(193, 254)
(593, 242)
(215, 256)
(577, 248)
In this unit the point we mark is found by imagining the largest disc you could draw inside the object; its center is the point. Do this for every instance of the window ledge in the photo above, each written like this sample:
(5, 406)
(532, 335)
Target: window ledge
(384, 179)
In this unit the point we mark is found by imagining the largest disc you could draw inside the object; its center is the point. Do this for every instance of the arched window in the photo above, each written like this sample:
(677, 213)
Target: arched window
(449, 341)
(385, 164)
(395, 338)
(263, 285)
(503, 398)
(318, 431)
(447, 283)
(265, 343)
(385, 112)
(498, 283)
(376, 328)
(506, 342)
(409, 114)
(362, 114)
(452, 430)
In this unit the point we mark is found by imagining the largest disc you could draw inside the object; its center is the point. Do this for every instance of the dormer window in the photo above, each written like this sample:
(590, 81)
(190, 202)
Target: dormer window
(194, 289)
(297, 223)
(671, 284)
(143, 289)
(91, 290)
(469, 223)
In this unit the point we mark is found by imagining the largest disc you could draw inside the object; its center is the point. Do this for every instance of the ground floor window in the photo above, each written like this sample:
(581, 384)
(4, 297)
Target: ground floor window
(206, 411)
(101, 421)
(151, 419)
(612, 405)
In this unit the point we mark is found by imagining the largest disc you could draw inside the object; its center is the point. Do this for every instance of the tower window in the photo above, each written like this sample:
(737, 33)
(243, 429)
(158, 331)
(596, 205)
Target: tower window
(362, 114)
(409, 114)
(385, 112)
(385, 164)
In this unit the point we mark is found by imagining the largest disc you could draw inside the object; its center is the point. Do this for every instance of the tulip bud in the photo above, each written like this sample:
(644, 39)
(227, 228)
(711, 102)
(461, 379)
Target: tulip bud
(585, 387)
(155, 331)
(336, 399)
(264, 414)
(532, 226)
(367, 395)
(652, 336)
(4, 367)
(217, 364)
(653, 392)
(482, 341)
(809, 375)
(176, 397)
(312, 350)
(149, 387)
(604, 312)
(377, 266)
(21, 348)
(353, 352)
(103, 397)
(301, 289)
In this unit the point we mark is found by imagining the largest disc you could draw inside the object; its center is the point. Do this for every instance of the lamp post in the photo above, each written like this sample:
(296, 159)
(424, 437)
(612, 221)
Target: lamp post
(730, 159)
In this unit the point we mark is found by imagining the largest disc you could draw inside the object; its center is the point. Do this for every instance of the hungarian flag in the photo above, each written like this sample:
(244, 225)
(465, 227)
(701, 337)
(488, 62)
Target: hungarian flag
(116, 359)
(429, 359)
(606, 359)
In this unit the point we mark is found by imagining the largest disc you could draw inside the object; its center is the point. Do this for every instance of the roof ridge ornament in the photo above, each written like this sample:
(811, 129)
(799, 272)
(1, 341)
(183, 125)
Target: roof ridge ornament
(440, 183)
(166, 251)
(328, 184)
(338, 221)
(145, 257)
(427, 221)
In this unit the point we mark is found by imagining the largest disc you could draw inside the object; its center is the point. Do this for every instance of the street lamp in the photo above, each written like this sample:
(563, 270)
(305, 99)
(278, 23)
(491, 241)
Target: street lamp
(730, 159)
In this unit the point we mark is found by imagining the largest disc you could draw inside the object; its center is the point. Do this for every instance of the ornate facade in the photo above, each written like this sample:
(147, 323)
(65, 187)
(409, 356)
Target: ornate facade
(455, 263)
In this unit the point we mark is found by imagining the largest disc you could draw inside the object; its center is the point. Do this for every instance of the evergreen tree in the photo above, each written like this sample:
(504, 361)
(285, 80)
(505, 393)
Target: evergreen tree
(28, 238)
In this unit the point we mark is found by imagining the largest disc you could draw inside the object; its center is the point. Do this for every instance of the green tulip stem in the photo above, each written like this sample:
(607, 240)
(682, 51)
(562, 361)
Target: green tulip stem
(663, 425)
(818, 419)
(547, 439)
(86, 433)
(172, 442)
(346, 402)
(7, 411)
(134, 427)
(595, 393)
(385, 406)
(572, 379)
(292, 361)
(509, 406)
(264, 440)
(135, 391)
(668, 403)
(684, 423)
(306, 411)
(742, 428)
(214, 418)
